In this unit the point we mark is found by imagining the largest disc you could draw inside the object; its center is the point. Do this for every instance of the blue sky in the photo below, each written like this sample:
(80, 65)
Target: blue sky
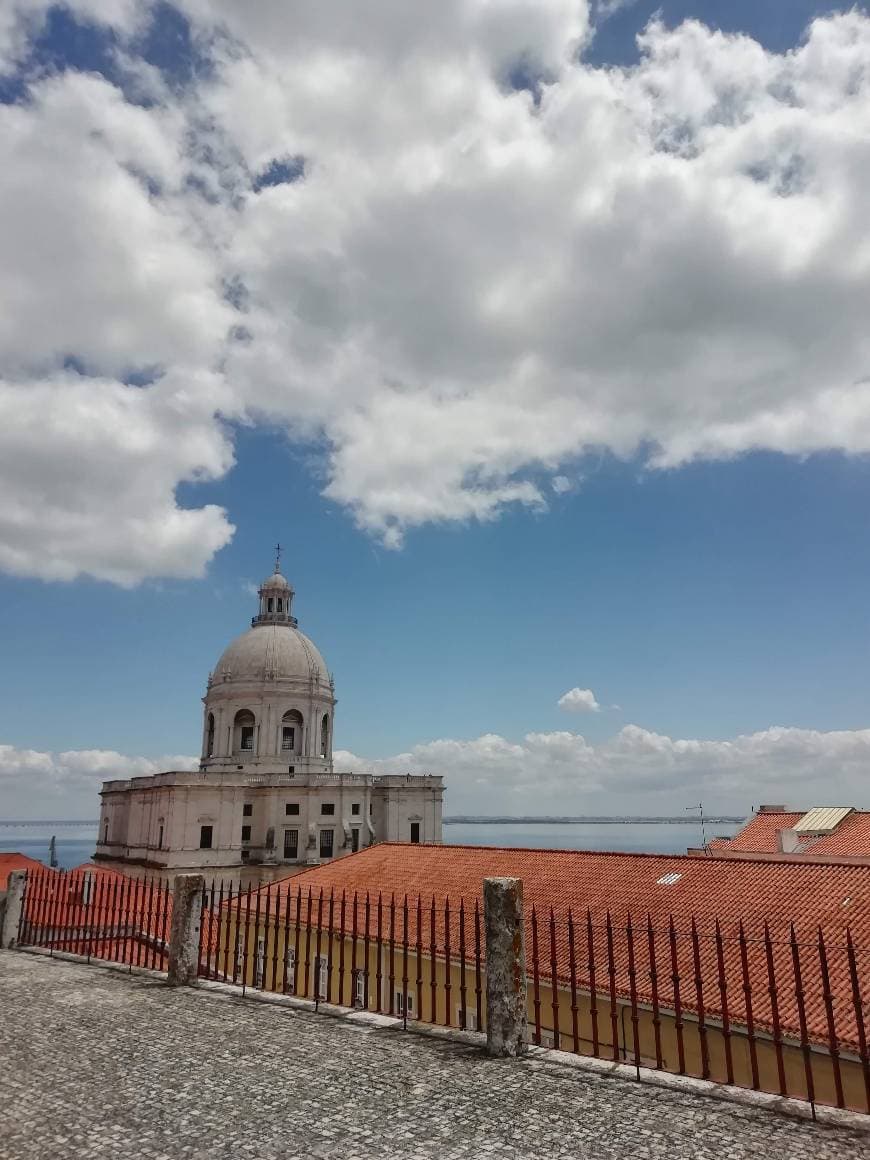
(655, 490)
(706, 602)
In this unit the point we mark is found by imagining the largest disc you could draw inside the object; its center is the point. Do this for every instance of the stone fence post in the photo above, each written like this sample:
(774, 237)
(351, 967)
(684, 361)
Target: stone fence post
(505, 966)
(14, 903)
(184, 937)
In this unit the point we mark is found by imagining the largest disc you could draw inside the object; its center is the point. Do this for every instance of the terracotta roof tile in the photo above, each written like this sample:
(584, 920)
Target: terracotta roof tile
(13, 861)
(761, 833)
(851, 837)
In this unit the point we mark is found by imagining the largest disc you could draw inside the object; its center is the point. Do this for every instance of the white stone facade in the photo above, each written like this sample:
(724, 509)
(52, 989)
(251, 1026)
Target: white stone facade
(266, 795)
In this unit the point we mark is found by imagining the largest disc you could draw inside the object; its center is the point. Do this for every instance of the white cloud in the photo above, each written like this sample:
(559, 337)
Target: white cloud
(98, 269)
(469, 289)
(88, 470)
(578, 700)
(35, 783)
(638, 771)
(634, 772)
(604, 9)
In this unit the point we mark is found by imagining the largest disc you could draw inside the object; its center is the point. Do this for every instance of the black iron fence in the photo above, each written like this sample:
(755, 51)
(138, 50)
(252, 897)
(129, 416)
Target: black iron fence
(397, 956)
(97, 914)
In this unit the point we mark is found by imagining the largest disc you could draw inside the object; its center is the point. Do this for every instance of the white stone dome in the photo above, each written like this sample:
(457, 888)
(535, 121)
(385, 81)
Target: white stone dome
(271, 652)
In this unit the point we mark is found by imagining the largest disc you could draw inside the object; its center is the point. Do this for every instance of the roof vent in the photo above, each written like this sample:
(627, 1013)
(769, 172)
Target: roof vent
(668, 879)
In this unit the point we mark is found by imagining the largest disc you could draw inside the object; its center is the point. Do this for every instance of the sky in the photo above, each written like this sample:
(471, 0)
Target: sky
(535, 330)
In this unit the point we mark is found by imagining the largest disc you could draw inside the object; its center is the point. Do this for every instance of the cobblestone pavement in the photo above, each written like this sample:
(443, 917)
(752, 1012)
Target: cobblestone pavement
(95, 1063)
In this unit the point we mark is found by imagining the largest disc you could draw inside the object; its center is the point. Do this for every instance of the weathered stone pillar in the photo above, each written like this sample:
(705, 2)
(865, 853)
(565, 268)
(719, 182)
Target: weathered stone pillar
(14, 903)
(184, 938)
(505, 966)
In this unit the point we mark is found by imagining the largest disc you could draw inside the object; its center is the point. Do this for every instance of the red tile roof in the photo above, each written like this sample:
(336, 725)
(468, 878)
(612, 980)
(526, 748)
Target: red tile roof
(852, 836)
(114, 917)
(11, 862)
(705, 892)
(760, 835)
(804, 893)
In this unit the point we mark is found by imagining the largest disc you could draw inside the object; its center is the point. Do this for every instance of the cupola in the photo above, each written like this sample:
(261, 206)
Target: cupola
(276, 598)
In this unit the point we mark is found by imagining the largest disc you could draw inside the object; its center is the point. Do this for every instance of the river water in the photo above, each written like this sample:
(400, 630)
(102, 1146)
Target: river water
(635, 837)
(76, 845)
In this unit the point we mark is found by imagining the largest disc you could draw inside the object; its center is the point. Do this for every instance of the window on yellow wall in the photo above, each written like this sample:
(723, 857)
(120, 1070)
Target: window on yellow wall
(471, 1020)
(259, 967)
(359, 989)
(321, 974)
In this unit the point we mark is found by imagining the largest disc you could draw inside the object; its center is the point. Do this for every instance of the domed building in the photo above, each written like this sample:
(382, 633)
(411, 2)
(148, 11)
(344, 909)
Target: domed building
(266, 796)
(270, 699)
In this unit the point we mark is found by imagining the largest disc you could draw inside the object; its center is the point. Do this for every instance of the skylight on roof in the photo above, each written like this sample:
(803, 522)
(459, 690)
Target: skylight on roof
(669, 879)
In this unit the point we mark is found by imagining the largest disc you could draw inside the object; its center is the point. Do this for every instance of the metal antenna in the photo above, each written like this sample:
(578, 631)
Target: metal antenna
(700, 808)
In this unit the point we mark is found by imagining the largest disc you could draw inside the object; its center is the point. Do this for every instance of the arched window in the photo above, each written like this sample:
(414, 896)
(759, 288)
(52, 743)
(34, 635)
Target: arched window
(209, 744)
(280, 604)
(324, 737)
(105, 831)
(291, 732)
(243, 732)
(271, 604)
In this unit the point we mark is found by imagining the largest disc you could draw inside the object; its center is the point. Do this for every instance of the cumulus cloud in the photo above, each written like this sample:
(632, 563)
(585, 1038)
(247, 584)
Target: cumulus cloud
(476, 258)
(578, 700)
(88, 471)
(635, 771)
(35, 783)
(638, 771)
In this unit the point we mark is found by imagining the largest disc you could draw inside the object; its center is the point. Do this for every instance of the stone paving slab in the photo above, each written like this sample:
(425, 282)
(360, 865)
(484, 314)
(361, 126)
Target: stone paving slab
(96, 1063)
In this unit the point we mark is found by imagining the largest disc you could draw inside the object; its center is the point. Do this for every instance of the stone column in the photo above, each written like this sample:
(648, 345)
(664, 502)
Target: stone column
(184, 938)
(14, 903)
(505, 966)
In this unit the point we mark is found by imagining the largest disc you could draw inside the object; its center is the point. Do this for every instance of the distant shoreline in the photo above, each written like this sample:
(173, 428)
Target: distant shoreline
(474, 820)
(616, 820)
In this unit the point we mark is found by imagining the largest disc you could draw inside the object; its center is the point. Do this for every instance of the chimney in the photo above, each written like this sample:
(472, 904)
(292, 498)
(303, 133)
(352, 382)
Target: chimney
(772, 809)
(789, 841)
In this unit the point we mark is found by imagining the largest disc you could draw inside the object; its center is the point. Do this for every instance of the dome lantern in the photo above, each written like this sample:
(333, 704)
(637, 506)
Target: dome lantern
(276, 596)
